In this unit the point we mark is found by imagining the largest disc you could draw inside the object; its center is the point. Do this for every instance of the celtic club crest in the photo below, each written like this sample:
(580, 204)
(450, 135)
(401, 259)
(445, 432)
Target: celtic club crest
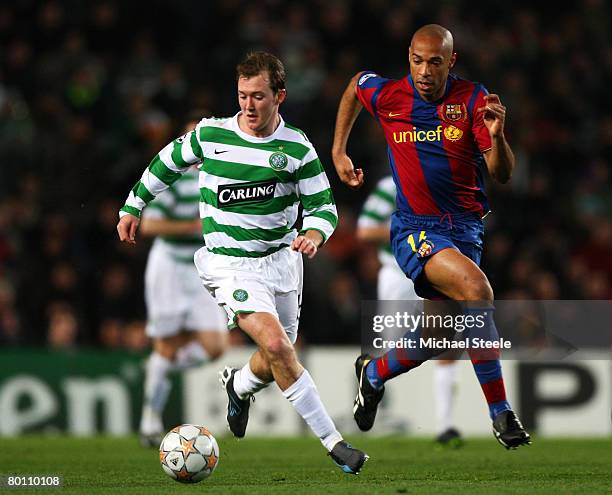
(278, 160)
(240, 295)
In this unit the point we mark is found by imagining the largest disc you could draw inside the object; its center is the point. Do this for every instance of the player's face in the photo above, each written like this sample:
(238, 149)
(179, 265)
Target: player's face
(430, 64)
(259, 105)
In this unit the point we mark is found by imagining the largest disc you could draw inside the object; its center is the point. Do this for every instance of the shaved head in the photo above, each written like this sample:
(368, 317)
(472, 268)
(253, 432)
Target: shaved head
(435, 33)
(431, 58)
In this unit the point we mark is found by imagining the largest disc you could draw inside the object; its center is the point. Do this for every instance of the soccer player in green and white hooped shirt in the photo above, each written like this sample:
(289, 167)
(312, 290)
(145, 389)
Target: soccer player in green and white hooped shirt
(393, 285)
(254, 171)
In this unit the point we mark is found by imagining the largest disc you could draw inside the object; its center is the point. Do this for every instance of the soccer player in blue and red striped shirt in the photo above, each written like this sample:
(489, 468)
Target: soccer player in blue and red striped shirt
(443, 133)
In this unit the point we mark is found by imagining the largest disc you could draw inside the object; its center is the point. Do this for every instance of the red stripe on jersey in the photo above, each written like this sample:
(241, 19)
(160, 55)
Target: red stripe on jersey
(463, 172)
(365, 97)
(479, 129)
(395, 104)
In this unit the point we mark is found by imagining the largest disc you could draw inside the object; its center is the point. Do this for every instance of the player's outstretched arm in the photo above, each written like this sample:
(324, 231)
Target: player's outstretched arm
(165, 169)
(348, 110)
(163, 226)
(126, 228)
(500, 159)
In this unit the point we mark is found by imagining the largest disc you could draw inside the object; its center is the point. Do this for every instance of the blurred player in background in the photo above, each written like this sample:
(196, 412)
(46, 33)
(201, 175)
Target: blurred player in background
(255, 171)
(393, 285)
(441, 131)
(187, 327)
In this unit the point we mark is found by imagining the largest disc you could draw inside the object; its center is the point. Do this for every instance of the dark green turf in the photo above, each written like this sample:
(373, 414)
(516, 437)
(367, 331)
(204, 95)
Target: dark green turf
(297, 466)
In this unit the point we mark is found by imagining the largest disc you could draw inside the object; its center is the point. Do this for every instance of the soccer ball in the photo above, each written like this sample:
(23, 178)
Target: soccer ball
(189, 453)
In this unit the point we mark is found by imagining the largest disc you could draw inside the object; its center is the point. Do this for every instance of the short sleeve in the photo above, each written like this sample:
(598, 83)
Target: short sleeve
(368, 89)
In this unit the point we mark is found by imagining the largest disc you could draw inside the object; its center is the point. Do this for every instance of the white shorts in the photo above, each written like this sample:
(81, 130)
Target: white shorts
(175, 298)
(393, 285)
(271, 284)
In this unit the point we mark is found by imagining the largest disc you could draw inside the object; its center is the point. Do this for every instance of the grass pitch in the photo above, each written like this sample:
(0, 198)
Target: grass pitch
(300, 466)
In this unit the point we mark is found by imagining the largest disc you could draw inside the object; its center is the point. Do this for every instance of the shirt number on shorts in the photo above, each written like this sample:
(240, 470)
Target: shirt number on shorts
(413, 245)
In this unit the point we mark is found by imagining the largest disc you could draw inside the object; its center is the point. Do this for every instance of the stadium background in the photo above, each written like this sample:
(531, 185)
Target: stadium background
(90, 91)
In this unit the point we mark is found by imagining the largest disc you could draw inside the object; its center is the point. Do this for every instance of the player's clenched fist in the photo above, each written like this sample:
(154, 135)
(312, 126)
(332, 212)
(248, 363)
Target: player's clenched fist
(305, 246)
(126, 228)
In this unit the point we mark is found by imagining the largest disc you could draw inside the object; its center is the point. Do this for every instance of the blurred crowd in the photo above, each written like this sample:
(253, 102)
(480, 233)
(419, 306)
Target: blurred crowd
(90, 91)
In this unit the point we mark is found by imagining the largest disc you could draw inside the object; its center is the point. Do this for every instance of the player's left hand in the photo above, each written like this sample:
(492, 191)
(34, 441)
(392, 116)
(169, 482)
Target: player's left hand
(349, 175)
(494, 115)
(304, 245)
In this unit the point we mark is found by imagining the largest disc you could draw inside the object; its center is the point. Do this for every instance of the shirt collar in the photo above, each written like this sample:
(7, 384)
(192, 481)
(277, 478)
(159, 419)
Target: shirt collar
(255, 139)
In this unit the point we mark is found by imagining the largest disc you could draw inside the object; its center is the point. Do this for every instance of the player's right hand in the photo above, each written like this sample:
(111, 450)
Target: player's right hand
(127, 226)
(348, 174)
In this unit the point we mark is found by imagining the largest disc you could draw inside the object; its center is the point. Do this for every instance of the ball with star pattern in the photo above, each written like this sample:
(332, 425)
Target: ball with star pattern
(189, 453)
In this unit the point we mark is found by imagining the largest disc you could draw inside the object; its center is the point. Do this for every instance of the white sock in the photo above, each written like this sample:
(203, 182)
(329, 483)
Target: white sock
(247, 383)
(304, 397)
(445, 378)
(150, 421)
(156, 389)
(190, 355)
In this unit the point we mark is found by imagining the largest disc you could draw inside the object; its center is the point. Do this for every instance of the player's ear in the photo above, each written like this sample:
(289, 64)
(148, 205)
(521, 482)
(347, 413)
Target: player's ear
(453, 59)
(281, 95)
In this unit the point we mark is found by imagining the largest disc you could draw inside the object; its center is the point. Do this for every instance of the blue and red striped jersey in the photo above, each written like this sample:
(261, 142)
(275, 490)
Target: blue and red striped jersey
(435, 148)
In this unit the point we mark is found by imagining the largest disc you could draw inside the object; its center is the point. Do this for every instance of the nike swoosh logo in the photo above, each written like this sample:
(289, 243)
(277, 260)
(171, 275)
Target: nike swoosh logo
(391, 114)
(222, 151)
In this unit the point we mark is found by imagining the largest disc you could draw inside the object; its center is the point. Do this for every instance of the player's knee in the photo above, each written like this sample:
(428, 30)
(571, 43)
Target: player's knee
(279, 349)
(478, 290)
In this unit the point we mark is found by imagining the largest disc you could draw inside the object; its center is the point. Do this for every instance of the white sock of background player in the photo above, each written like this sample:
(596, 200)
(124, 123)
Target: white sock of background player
(156, 389)
(445, 379)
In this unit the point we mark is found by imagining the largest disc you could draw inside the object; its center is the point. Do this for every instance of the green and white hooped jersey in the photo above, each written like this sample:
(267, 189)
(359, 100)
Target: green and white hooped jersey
(250, 187)
(377, 210)
(181, 201)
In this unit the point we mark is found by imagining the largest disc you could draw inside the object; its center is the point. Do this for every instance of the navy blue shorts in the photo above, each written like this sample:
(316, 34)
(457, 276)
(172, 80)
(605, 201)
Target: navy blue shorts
(415, 238)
